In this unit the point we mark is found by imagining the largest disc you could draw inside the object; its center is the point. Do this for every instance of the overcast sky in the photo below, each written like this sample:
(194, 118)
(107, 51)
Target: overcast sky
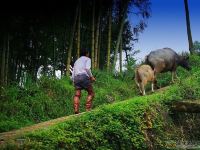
(167, 26)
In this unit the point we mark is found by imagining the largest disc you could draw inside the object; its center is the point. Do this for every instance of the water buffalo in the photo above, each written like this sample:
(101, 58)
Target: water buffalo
(166, 59)
(143, 74)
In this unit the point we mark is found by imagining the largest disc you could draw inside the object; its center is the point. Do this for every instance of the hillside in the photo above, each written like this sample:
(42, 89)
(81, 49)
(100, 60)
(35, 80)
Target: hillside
(141, 122)
(51, 98)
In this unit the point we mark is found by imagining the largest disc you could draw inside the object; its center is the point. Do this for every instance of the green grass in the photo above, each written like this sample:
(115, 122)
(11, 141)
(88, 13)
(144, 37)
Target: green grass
(122, 125)
(51, 98)
(117, 126)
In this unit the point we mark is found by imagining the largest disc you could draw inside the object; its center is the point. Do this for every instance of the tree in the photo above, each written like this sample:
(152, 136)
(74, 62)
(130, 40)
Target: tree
(7, 59)
(71, 40)
(33, 43)
(188, 26)
(120, 32)
(93, 32)
(54, 47)
(79, 30)
(3, 62)
(196, 47)
(97, 38)
(109, 38)
(99, 50)
(120, 56)
(143, 10)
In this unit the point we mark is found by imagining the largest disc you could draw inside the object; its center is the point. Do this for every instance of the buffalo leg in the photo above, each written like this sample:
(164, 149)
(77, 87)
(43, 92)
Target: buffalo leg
(155, 79)
(152, 85)
(142, 88)
(174, 75)
(138, 85)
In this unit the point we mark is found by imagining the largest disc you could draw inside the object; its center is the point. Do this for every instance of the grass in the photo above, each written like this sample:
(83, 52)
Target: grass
(123, 125)
(51, 98)
(116, 126)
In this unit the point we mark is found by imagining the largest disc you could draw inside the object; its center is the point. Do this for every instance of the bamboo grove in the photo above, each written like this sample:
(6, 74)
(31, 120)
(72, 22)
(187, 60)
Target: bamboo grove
(46, 40)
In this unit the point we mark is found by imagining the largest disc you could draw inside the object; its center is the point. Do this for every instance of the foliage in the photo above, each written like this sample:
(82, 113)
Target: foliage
(130, 66)
(123, 125)
(51, 98)
(33, 42)
(196, 47)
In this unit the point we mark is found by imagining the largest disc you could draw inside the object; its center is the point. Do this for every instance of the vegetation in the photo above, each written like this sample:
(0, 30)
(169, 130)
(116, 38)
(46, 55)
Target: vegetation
(46, 40)
(137, 123)
(35, 46)
(196, 47)
(39, 43)
(51, 98)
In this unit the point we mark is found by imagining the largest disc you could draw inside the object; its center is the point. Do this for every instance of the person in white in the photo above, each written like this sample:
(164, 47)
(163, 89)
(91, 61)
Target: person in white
(82, 79)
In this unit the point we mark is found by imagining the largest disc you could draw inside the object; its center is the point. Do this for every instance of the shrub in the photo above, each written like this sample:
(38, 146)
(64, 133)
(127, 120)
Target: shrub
(51, 98)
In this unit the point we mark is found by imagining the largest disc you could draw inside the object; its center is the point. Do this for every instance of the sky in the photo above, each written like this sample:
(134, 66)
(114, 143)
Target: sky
(167, 27)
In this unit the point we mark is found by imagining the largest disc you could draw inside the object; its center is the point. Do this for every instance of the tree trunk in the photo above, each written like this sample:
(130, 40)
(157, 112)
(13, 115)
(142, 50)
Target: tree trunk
(119, 36)
(93, 24)
(62, 64)
(36, 61)
(13, 68)
(19, 71)
(3, 61)
(120, 56)
(97, 39)
(71, 42)
(188, 27)
(99, 50)
(7, 60)
(127, 56)
(109, 39)
(79, 30)
(54, 49)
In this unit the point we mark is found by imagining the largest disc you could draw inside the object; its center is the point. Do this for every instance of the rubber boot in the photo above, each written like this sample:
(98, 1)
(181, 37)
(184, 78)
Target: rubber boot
(89, 103)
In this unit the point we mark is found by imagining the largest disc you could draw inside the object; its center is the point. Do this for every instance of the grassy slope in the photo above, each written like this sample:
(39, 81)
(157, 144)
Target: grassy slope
(52, 98)
(122, 125)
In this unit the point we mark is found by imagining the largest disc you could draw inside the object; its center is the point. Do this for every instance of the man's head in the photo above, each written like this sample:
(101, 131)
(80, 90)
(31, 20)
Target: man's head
(85, 52)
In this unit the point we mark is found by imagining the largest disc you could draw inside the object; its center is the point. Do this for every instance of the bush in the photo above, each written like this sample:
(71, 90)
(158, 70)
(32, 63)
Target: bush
(122, 125)
(51, 98)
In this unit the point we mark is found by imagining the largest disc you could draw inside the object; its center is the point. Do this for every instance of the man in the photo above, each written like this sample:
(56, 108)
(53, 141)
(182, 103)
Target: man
(82, 79)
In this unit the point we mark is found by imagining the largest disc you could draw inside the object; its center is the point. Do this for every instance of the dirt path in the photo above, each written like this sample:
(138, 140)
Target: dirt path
(162, 89)
(11, 136)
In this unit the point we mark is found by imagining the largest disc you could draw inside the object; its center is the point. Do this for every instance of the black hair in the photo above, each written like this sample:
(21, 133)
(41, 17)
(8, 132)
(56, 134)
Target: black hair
(84, 52)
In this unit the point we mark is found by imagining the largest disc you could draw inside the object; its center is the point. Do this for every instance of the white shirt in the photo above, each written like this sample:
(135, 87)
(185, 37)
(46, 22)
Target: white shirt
(82, 66)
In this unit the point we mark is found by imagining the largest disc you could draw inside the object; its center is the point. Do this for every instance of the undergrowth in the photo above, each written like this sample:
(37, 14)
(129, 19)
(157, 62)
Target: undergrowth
(142, 122)
(51, 98)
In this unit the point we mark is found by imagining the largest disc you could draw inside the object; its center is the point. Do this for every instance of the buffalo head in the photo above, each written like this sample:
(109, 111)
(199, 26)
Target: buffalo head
(184, 62)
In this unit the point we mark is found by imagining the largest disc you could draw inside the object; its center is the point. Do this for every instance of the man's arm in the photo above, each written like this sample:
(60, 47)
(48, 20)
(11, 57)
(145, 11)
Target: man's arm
(73, 70)
(88, 70)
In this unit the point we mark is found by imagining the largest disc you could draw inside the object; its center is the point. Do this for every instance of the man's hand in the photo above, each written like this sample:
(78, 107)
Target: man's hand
(92, 79)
